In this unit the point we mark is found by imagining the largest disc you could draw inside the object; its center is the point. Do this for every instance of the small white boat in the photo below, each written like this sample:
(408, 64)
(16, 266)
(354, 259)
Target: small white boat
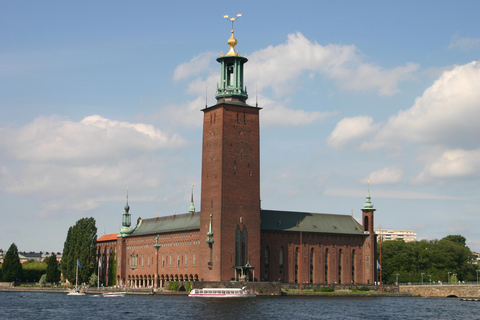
(114, 294)
(222, 293)
(75, 292)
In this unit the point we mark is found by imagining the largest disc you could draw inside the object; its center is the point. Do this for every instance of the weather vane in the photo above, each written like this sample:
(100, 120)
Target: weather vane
(232, 18)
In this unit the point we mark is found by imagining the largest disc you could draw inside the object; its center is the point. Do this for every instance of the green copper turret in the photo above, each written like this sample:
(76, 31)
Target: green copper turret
(126, 222)
(231, 77)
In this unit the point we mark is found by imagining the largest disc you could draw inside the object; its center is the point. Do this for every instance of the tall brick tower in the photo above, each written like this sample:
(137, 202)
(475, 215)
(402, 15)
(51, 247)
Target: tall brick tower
(370, 245)
(230, 198)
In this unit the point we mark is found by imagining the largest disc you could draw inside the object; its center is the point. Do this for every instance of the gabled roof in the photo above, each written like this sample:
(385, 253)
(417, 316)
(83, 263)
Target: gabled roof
(270, 220)
(175, 223)
(108, 237)
(310, 222)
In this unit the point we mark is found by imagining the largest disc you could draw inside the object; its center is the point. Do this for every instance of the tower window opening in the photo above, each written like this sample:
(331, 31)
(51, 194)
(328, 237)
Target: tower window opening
(230, 74)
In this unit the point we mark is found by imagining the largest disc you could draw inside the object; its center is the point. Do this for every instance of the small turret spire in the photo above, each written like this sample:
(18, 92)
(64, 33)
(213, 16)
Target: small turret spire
(192, 205)
(126, 221)
(368, 203)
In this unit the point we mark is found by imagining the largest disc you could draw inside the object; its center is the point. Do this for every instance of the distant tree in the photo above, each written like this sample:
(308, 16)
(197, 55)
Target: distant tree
(113, 270)
(93, 279)
(43, 280)
(457, 239)
(33, 270)
(81, 246)
(435, 258)
(12, 268)
(53, 273)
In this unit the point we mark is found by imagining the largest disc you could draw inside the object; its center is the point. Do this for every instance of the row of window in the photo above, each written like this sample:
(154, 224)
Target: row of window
(181, 260)
(327, 259)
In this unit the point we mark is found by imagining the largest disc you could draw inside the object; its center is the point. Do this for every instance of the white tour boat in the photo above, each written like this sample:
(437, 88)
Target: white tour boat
(222, 293)
(114, 294)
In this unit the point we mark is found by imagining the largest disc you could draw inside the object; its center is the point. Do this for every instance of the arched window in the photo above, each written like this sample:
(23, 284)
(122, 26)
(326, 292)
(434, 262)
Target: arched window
(244, 246)
(365, 223)
(238, 248)
(312, 259)
(353, 266)
(296, 265)
(326, 265)
(266, 263)
(340, 266)
(280, 261)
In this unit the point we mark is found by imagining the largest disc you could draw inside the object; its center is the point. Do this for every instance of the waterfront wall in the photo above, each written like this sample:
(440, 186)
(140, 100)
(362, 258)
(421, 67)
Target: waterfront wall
(442, 291)
(276, 288)
(6, 284)
(338, 287)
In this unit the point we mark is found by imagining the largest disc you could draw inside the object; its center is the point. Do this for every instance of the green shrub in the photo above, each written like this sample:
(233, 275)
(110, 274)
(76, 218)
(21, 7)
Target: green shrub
(43, 280)
(364, 288)
(188, 286)
(325, 289)
(173, 285)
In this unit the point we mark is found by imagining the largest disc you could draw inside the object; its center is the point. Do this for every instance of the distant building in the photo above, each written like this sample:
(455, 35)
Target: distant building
(476, 257)
(395, 234)
(37, 256)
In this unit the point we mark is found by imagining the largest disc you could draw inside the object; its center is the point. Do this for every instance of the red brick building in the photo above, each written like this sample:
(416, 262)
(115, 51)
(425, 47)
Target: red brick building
(232, 238)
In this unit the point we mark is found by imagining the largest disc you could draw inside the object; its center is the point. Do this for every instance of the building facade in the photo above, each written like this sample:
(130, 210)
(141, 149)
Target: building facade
(232, 238)
(395, 234)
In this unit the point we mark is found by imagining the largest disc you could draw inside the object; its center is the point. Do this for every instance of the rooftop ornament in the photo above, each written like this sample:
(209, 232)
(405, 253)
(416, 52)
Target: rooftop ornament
(232, 42)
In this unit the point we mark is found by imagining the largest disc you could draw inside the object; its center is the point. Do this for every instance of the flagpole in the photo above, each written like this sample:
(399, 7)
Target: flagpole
(381, 282)
(76, 277)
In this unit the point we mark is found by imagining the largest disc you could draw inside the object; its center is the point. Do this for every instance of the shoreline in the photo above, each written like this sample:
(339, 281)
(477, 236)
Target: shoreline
(93, 291)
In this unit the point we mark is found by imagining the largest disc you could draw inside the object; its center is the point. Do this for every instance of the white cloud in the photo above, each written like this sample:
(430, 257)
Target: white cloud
(196, 66)
(464, 43)
(70, 163)
(349, 129)
(388, 175)
(186, 115)
(276, 114)
(56, 139)
(448, 112)
(451, 164)
(280, 67)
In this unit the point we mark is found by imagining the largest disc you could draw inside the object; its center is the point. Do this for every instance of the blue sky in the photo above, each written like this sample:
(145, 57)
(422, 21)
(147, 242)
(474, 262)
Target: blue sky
(100, 96)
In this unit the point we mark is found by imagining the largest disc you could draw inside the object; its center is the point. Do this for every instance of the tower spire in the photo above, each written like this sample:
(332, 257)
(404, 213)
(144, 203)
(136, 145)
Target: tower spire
(192, 205)
(368, 202)
(231, 82)
(126, 221)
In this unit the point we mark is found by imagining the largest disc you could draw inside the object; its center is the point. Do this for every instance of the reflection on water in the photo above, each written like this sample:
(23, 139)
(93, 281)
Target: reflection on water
(31, 305)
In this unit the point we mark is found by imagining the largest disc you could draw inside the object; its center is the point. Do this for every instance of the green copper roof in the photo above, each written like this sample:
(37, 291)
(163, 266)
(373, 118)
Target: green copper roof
(309, 222)
(175, 223)
(368, 203)
(270, 220)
